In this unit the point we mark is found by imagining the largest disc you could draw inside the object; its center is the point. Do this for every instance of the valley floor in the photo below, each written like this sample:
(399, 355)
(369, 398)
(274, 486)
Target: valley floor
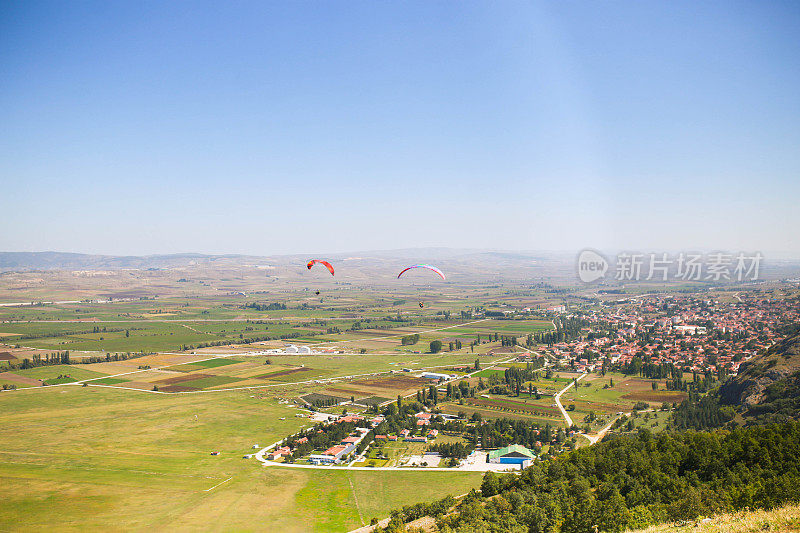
(76, 458)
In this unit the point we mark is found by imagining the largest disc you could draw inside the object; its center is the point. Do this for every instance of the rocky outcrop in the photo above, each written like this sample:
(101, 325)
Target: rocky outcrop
(748, 391)
(750, 386)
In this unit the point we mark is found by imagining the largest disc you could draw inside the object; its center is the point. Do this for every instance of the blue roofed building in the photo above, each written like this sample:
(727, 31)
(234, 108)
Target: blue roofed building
(514, 454)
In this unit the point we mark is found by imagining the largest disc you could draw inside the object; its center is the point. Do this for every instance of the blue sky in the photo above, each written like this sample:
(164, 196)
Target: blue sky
(135, 127)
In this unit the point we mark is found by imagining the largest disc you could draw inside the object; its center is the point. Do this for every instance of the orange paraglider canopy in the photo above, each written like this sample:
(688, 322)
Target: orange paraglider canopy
(321, 262)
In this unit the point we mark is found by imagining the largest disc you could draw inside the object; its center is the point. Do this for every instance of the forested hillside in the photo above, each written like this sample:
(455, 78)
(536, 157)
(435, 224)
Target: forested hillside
(635, 481)
(766, 390)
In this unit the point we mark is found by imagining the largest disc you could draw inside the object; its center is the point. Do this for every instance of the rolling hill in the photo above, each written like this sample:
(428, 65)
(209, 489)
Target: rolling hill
(767, 388)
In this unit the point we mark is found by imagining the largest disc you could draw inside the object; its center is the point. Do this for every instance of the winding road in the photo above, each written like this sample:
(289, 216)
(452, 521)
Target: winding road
(558, 399)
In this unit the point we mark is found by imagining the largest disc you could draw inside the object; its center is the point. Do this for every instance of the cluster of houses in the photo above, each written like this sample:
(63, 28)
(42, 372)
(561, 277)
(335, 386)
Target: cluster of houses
(343, 450)
(678, 329)
(339, 451)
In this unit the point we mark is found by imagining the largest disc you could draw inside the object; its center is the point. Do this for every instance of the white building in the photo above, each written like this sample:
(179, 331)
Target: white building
(435, 375)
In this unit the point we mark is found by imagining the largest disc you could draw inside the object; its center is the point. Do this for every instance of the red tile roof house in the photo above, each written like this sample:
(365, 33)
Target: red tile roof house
(404, 433)
(333, 450)
(380, 437)
(350, 418)
(301, 440)
(332, 454)
(392, 437)
(280, 452)
(350, 440)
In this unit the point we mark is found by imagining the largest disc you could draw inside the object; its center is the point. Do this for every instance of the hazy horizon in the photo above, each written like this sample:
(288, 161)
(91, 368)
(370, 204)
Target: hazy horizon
(272, 129)
(770, 255)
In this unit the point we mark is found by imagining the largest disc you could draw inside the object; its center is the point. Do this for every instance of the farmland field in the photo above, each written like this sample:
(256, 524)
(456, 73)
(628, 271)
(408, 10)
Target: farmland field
(617, 392)
(135, 461)
(500, 406)
(131, 449)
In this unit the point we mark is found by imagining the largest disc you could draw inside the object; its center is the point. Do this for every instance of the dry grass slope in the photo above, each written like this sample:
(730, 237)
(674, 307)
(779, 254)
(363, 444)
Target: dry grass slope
(783, 519)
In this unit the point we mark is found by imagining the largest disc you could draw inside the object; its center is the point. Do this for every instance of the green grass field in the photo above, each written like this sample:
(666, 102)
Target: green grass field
(108, 381)
(51, 372)
(211, 381)
(199, 365)
(77, 458)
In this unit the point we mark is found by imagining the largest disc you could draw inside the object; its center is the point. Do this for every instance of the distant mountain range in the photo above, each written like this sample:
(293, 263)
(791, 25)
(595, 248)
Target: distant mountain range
(460, 264)
(74, 261)
(26, 261)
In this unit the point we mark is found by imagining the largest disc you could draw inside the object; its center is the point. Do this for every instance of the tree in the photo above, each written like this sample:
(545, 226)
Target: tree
(436, 346)
(477, 364)
(490, 485)
(434, 394)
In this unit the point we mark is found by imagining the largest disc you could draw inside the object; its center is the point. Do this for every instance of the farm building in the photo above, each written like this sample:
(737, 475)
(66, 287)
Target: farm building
(436, 376)
(292, 349)
(514, 454)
